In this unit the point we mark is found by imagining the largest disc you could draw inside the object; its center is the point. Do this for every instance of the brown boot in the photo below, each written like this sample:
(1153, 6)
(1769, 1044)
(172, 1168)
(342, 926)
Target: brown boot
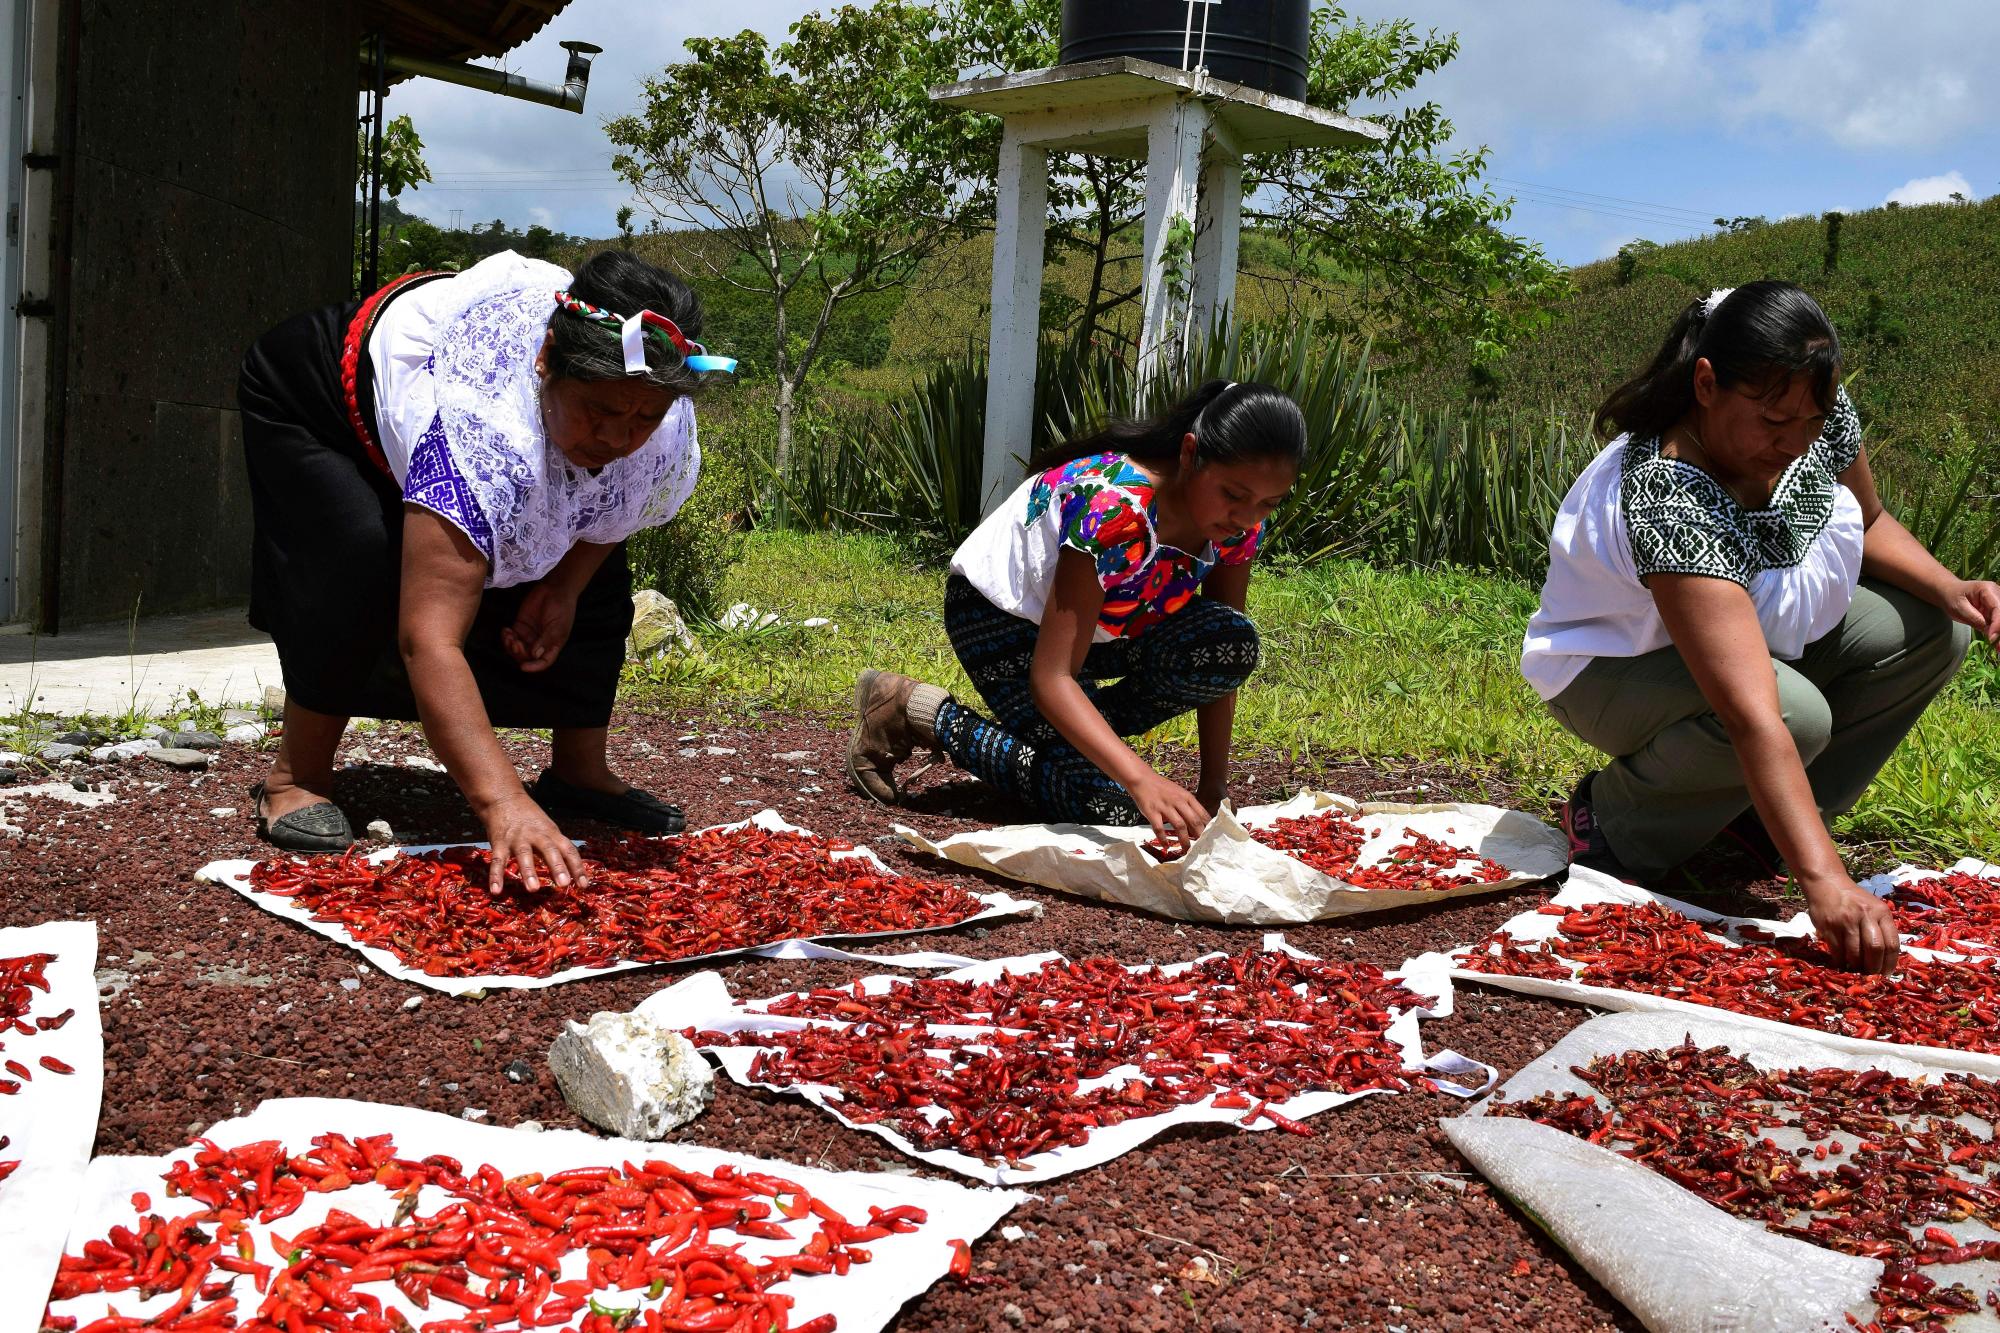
(893, 716)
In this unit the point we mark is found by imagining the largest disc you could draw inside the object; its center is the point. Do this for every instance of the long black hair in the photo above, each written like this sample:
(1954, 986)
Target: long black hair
(623, 283)
(1762, 334)
(1230, 423)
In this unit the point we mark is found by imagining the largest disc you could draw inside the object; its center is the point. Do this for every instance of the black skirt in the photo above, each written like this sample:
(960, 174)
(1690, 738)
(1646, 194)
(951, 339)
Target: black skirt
(326, 559)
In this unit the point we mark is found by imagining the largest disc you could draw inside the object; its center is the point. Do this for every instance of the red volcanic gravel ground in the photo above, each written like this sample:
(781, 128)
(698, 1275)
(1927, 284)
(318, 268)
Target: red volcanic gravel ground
(211, 1005)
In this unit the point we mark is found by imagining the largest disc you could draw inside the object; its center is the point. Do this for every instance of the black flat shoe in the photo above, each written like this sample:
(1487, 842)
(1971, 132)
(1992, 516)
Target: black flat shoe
(320, 827)
(638, 809)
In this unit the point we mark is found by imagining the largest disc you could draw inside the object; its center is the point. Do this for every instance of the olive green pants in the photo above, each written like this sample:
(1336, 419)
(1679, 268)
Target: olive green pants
(1848, 701)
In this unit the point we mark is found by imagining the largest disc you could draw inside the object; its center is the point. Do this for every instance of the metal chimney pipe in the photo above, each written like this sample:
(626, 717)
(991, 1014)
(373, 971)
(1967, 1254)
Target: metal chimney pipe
(569, 97)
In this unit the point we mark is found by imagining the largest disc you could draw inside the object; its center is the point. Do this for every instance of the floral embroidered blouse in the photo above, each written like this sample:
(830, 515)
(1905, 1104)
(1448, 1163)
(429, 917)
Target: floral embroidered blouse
(1102, 505)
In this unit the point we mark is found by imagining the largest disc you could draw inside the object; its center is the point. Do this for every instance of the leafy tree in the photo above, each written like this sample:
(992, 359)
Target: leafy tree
(537, 242)
(1409, 215)
(403, 166)
(822, 161)
(625, 225)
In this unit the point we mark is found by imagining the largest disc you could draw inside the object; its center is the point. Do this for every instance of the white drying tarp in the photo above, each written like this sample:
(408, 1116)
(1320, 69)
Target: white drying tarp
(1676, 1261)
(703, 1002)
(52, 1121)
(236, 875)
(1588, 886)
(1230, 878)
(864, 1299)
(1884, 885)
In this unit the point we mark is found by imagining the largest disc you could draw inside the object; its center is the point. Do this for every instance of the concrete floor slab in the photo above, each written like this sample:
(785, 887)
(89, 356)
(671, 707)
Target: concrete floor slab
(145, 666)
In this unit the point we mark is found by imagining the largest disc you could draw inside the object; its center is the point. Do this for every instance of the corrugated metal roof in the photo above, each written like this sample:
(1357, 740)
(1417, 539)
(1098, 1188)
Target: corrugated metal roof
(457, 29)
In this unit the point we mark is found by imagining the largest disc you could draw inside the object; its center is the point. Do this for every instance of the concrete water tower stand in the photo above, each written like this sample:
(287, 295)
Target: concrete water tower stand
(1193, 132)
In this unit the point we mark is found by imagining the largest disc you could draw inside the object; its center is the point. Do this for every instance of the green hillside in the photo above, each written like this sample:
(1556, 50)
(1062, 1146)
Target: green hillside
(1915, 294)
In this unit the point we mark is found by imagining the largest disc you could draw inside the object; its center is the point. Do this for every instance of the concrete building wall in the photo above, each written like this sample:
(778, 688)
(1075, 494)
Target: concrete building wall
(213, 163)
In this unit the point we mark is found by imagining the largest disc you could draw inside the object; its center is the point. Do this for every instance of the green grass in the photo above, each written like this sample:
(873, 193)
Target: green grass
(1390, 668)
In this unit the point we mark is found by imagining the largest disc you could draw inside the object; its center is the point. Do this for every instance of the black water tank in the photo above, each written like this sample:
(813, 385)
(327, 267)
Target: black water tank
(1257, 43)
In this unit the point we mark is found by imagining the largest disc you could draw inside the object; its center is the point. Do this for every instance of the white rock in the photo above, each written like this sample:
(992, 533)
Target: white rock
(274, 699)
(1012, 1232)
(223, 811)
(424, 762)
(233, 716)
(415, 1001)
(244, 733)
(724, 780)
(793, 756)
(627, 1074)
(473, 1113)
(152, 731)
(11, 759)
(379, 828)
(817, 622)
(123, 751)
(350, 983)
(717, 750)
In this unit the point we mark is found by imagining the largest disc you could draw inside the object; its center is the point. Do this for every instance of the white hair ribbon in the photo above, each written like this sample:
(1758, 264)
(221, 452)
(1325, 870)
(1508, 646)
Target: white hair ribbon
(632, 333)
(1715, 300)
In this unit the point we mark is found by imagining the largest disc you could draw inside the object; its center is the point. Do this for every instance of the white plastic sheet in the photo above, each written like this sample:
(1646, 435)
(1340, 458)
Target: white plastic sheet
(52, 1120)
(1230, 878)
(1588, 886)
(864, 1299)
(235, 875)
(703, 1001)
(1676, 1261)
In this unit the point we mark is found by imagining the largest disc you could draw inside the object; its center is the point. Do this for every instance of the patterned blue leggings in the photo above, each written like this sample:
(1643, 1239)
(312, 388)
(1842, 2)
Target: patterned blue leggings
(1195, 656)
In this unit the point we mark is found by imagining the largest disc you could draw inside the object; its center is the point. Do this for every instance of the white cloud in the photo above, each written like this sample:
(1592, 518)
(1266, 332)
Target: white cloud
(1931, 189)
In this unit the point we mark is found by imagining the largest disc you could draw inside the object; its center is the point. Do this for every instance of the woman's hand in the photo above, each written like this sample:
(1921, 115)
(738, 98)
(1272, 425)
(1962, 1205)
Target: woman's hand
(1975, 602)
(522, 832)
(542, 626)
(1857, 928)
(1176, 814)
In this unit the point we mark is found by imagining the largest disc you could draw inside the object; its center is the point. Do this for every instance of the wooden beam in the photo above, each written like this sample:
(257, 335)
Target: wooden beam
(479, 43)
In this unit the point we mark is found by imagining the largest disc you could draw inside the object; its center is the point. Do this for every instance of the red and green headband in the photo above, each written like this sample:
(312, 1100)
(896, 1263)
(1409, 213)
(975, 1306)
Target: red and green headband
(634, 329)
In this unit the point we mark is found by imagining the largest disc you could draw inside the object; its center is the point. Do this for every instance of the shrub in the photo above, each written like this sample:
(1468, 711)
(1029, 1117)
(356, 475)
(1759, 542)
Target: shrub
(688, 557)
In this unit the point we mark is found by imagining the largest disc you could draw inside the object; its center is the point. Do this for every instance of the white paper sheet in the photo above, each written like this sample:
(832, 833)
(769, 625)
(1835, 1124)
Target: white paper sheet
(1230, 878)
(235, 875)
(52, 1120)
(864, 1299)
(1588, 886)
(1672, 1258)
(703, 1001)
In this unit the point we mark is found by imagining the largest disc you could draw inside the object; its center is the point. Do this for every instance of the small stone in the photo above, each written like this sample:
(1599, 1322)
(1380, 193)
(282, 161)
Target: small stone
(232, 716)
(83, 740)
(223, 811)
(520, 1071)
(246, 733)
(379, 830)
(451, 1087)
(793, 756)
(59, 751)
(628, 1074)
(717, 750)
(412, 1003)
(196, 740)
(1013, 1314)
(724, 780)
(350, 983)
(424, 762)
(274, 699)
(657, 627)
(473, 1113)
(122, 752)
(8, 775)
(152, 731)
(1012, 1232)
(185, 760)
(12, 759)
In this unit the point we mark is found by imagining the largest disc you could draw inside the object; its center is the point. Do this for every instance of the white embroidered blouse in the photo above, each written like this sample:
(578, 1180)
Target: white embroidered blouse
(458, 411)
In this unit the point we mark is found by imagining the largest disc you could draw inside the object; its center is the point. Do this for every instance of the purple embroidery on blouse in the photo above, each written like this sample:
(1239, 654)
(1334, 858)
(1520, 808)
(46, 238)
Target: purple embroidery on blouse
(434, 482)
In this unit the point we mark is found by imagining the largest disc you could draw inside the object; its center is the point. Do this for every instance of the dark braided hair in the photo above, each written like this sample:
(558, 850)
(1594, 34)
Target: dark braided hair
(621, 282)
(1231, 423)
(1762, 334)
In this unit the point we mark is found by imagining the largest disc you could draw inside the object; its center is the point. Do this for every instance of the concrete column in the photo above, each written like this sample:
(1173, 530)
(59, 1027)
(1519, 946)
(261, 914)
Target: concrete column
(1174, 140)
(1021, 215)
(1218, 228)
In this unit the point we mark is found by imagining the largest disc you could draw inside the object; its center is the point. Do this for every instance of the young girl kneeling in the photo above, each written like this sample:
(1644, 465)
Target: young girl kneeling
(1124, 556)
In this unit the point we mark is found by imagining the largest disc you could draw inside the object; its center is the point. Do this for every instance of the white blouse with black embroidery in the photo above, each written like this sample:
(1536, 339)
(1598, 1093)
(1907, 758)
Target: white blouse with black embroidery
(1636, 512)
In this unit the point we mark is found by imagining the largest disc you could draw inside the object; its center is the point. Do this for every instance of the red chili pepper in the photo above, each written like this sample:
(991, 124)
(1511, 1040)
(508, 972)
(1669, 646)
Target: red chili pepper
(1331, 842)
(647, 900)
(54, 1065)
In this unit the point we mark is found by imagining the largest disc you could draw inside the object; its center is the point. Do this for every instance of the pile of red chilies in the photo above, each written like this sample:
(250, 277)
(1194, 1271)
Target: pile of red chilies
(20, 978)
(1952, 912)
(1256, 1028)
(1331, 842)
(648, 900)
(1657, 952)
(1888, 1166)
(491, 1257)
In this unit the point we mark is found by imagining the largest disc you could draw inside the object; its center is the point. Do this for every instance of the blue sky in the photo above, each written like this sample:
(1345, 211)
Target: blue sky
(1607, 119)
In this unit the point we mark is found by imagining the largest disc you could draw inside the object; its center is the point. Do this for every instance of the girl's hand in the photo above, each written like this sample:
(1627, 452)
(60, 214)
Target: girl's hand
(1174, 812)
(1976, 602)
(1857, 928)
(522, 832)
